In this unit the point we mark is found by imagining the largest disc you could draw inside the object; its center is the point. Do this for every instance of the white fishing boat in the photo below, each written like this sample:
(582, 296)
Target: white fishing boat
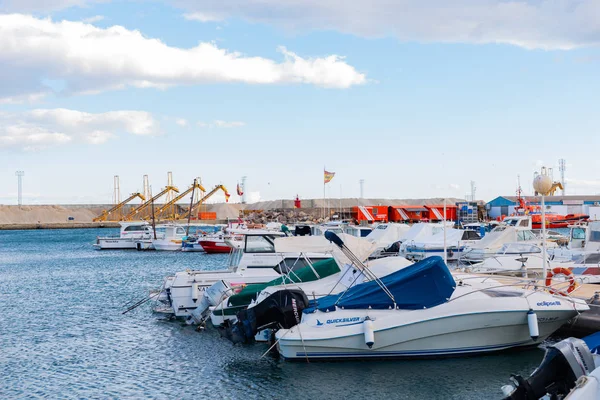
(129, 233)
(254, 261)
(422, 310)
(168, 238)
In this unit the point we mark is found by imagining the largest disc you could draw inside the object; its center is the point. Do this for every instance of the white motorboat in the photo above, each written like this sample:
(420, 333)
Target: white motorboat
(386, 235)
(422, 310)
(584, 238)
(168, 238)
(456, 241)
(259, 312)
(513, 230)
(326, 271)
(129, 233)
(254, 261)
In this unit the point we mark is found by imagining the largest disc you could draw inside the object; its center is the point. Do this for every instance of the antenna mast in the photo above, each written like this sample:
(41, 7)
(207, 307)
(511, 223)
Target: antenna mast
(562, 167)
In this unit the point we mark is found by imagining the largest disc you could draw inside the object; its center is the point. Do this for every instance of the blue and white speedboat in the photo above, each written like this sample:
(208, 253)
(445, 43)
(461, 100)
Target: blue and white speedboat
(423, 310)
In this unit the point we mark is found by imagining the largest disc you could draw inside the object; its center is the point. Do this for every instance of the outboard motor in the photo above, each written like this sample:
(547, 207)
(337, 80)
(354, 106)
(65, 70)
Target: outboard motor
(563, 363)
(302, 230)
(282, 309)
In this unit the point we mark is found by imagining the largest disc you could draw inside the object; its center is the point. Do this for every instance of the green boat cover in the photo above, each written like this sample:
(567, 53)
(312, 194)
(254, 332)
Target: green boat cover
(250, 292)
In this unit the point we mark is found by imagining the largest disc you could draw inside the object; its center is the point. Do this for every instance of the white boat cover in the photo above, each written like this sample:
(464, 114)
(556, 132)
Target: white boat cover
(386, 234)
(361, 247)
(496, 238)
(453, 237)
(420, 231)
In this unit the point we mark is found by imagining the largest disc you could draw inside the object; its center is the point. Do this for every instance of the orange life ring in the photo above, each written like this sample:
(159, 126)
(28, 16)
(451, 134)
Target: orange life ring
(560, 271)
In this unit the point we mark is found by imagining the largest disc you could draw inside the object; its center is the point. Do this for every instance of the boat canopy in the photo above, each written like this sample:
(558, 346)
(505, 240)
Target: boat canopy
(386, 234)
(425, 284)
(361, 247)
(323, 268)
(453, 237)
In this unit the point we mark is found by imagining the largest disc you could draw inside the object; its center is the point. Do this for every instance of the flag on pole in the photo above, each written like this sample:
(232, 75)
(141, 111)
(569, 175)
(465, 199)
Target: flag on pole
(327, 176)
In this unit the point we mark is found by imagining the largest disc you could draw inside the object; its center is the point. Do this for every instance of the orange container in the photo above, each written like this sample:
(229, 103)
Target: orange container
(207, 216)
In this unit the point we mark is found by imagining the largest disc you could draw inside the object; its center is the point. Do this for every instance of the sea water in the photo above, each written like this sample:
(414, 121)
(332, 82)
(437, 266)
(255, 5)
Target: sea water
(63, 335)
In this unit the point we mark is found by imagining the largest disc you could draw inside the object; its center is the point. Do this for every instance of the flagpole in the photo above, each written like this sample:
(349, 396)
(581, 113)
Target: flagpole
(324, 192)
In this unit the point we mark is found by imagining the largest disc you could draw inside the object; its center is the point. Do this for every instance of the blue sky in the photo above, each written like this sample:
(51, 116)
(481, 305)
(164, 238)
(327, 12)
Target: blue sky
(420, 100)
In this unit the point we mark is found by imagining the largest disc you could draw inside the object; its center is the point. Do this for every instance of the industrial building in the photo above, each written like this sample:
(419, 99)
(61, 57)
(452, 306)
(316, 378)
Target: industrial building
(507, 205)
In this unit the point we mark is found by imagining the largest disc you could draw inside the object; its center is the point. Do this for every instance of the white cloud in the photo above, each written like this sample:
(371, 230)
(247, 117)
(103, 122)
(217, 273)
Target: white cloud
(35, 129)
(181, 122)
(545, 24)
(203, 17)
(220, 124)
(88, 59)
(93, 19)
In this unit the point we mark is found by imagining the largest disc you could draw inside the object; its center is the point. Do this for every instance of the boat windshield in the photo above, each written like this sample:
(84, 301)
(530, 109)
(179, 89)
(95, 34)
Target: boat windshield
(525, 235)
(578, 233)
(511, 222)
(259, 244)
(518, 248)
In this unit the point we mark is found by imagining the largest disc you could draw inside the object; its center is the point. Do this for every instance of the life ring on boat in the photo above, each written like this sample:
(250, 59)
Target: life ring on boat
(560, 271)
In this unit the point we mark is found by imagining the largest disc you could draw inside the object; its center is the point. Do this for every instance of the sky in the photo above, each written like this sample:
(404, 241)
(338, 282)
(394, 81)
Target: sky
(418, 98)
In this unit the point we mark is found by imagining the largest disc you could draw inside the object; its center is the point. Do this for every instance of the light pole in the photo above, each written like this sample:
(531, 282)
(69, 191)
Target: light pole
(20, 175)
(542, 183)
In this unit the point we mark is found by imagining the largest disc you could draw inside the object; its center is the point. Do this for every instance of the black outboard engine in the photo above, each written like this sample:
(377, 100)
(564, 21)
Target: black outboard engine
(282, 309)
(562, 365)
(302, 230)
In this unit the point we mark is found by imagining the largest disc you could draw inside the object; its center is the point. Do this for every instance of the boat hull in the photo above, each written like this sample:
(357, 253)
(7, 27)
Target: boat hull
(212, 246)
(115, 244)
(167, 245)
(439, 331)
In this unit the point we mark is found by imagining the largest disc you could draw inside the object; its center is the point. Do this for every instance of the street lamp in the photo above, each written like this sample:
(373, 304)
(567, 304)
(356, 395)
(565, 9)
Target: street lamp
(542, 183)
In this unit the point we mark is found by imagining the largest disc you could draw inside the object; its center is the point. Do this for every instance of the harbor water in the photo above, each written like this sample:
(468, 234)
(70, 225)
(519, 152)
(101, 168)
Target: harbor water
(63, 335)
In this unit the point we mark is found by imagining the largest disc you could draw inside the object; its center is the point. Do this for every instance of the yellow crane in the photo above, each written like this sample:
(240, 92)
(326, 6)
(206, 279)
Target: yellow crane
(209, 194)
(106, 214)
(136, 211)
(176, 199)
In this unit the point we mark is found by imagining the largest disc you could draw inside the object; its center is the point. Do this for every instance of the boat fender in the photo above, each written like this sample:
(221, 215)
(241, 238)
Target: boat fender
(194, 292)
(532, 322)
(369, 332)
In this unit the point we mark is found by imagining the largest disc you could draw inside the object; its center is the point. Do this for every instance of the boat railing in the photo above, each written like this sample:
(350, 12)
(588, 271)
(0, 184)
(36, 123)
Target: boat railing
(533, 285)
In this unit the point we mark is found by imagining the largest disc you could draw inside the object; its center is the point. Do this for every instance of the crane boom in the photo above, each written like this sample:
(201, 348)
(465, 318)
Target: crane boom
(105, 214)
(135, 211)
(179, 197)
(209, 194)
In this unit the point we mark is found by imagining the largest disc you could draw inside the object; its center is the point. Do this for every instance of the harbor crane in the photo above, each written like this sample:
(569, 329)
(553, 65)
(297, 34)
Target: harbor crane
(135, 211)
(209, 194)
(179, 197)
(107, 214)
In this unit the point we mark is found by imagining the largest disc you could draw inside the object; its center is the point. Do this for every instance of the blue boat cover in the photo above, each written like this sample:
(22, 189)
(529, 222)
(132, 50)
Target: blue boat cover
(425, 284)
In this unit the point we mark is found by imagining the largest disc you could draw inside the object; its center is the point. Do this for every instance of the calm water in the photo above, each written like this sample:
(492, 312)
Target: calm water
(62, 335)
